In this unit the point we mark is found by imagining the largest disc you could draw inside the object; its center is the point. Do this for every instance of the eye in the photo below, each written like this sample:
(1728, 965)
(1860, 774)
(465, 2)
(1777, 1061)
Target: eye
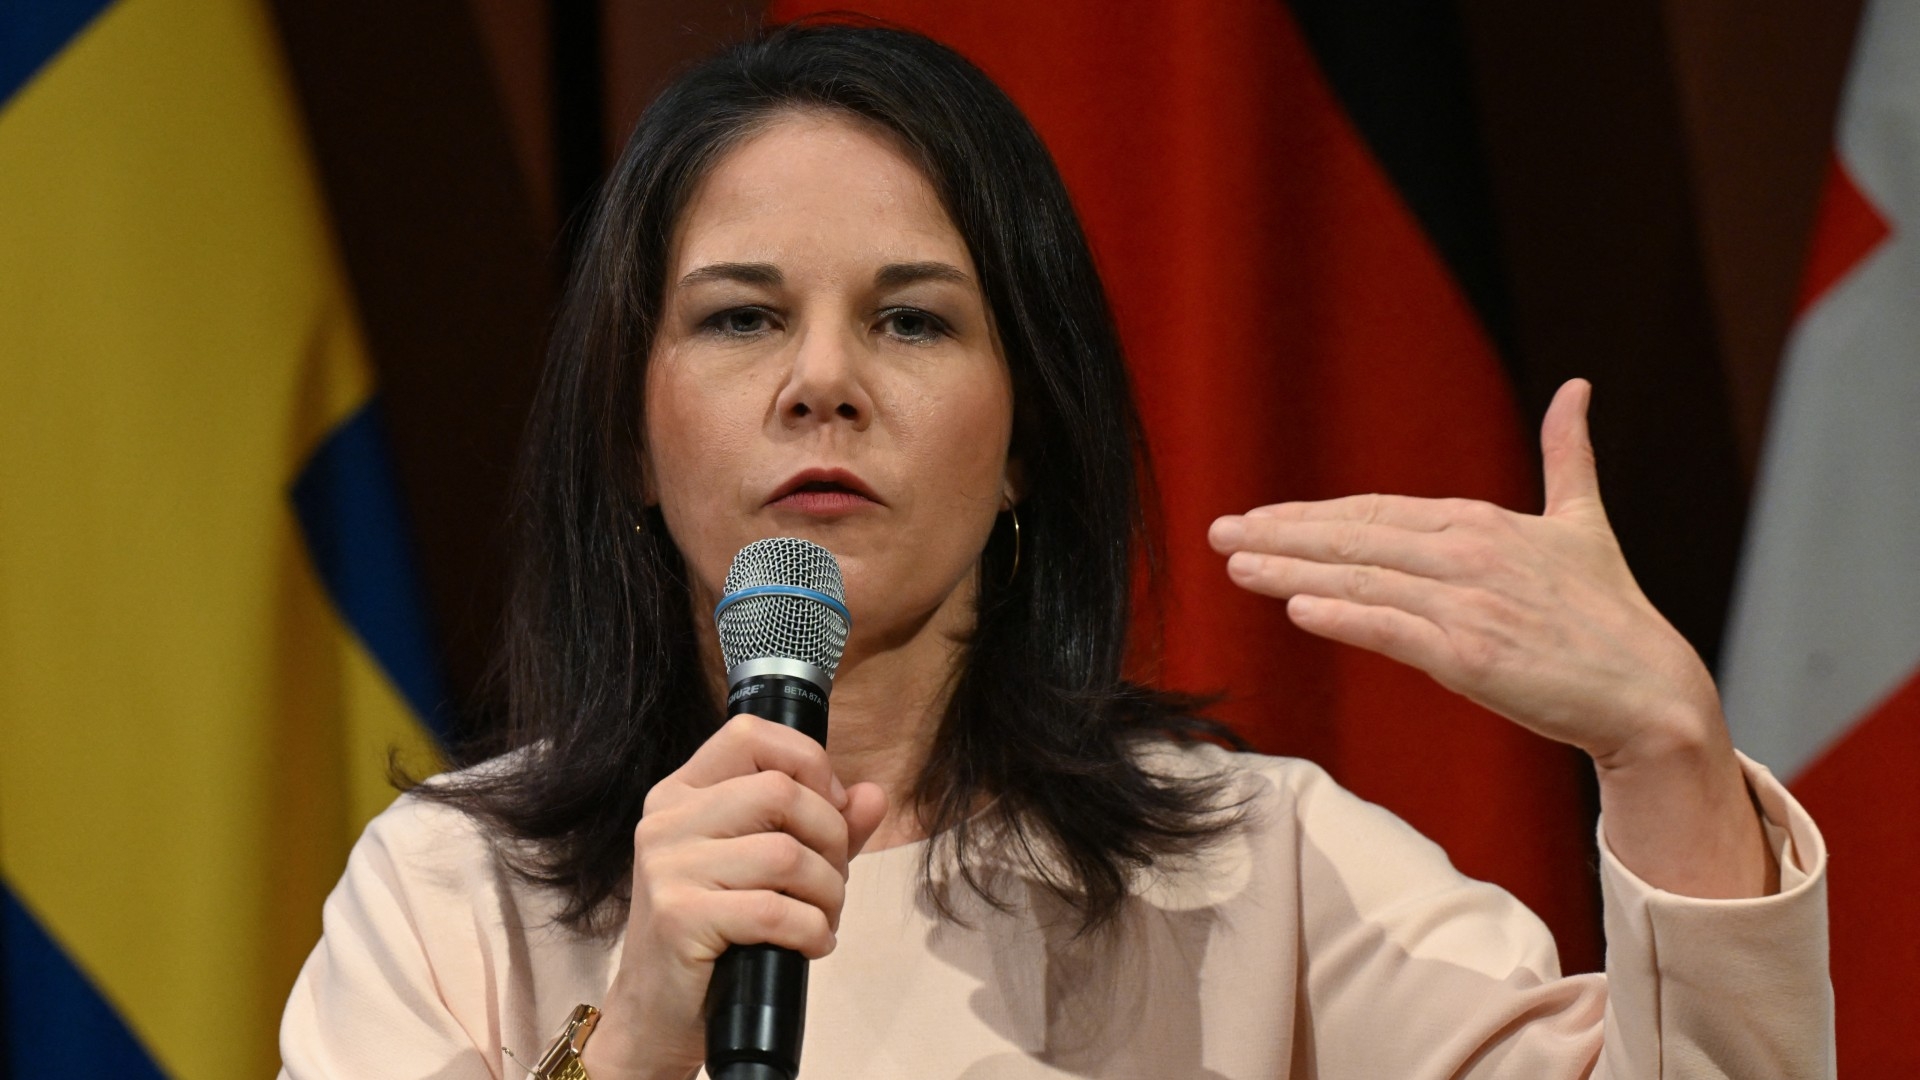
(740, 322)
(912, 325)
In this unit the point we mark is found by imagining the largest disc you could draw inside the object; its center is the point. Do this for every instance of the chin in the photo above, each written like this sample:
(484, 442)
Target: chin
(893, 605)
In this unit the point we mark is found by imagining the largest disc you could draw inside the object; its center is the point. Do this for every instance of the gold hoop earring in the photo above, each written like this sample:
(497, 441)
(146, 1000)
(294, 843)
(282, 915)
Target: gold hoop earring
(1014, 513)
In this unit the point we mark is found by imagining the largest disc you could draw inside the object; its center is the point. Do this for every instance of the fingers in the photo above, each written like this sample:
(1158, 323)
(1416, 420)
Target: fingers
(1402, 511)
(701, 923)
(866, 808)
(746, 844)
(749, 843)
(764, 802)
(1398, 634)
(1282, 577)
(1566, 452)
(774, 862)
(746, 745)
(1343, 542)
(758, 917)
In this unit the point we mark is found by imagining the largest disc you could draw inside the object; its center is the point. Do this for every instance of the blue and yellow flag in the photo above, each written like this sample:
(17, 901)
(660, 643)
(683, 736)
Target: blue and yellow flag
(210, 636)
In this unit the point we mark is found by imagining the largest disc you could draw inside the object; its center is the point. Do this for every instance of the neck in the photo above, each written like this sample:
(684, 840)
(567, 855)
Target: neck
(886, 713)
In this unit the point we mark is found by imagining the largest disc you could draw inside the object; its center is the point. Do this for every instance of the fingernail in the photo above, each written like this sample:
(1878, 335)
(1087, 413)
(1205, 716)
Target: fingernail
(1241, 564)
(839, 793)
(1228, 531)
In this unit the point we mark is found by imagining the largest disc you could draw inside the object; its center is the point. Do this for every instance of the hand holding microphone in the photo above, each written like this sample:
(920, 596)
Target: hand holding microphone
(747, 843)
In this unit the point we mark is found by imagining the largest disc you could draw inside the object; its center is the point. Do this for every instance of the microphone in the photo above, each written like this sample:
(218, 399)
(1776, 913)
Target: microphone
(783, 624)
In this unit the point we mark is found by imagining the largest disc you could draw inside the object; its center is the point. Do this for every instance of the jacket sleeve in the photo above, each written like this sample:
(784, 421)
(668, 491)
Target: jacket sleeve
(1733, 988)
(1414, 970)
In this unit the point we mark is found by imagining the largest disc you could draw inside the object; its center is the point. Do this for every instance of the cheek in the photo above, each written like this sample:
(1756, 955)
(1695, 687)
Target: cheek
(967, 430)
(697, 427)
(956, 438)
(697, 443)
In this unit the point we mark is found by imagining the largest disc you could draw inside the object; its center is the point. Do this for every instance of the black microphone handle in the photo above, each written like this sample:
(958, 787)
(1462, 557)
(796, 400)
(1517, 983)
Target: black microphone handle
(757, 1001)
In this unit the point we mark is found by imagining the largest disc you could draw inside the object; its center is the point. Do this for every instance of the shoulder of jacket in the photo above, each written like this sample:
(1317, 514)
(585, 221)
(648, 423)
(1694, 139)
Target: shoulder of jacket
(1288, 778)
(423, 837)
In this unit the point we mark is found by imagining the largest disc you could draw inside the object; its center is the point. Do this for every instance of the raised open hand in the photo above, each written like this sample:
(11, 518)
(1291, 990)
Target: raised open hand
(1534, 617)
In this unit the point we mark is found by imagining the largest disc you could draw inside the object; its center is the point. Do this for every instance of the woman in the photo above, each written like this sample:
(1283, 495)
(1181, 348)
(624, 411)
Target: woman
(835, 289)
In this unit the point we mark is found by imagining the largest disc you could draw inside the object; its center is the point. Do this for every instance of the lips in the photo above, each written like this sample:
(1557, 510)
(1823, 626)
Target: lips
(824, 491)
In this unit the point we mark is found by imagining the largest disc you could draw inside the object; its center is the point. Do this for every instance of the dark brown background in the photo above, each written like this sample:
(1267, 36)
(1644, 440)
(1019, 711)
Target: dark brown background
(1655, 165)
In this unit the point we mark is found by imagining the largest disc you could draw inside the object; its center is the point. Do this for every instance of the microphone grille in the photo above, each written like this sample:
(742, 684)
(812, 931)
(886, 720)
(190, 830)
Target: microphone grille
(783, 625)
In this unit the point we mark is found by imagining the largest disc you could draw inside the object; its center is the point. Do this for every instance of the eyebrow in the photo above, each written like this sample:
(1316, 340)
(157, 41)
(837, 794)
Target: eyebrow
(895, 275)
(890, 276)
(745, 273)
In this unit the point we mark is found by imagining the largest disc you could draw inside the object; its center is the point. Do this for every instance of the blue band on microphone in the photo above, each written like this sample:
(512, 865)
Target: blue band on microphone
(817, 597)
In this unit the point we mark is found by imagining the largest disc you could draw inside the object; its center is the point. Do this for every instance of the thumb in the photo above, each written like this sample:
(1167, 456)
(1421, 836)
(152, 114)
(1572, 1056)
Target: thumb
(1567, 453)
(866, 808)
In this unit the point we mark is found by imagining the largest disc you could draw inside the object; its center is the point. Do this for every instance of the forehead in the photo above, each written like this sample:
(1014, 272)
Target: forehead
(816, 187)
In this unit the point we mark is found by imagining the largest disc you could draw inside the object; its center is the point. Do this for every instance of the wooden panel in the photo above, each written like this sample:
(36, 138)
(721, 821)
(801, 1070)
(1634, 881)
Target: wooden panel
(1759, 93)
(646, 41)
(449, 268)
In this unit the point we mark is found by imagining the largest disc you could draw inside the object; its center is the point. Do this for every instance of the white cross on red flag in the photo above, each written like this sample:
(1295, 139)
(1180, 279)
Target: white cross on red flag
(1822, 668)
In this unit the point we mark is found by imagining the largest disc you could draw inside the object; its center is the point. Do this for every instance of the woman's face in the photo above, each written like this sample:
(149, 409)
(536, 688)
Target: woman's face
(825, 368)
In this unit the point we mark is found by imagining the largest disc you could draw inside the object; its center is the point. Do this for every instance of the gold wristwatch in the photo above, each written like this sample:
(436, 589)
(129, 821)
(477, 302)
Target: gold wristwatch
(562, 1059)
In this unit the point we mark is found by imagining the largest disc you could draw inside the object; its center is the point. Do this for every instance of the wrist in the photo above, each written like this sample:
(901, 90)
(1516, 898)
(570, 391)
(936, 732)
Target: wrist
(1680, 769)
(1678, 814)
(615, 1055)
(1673, 743)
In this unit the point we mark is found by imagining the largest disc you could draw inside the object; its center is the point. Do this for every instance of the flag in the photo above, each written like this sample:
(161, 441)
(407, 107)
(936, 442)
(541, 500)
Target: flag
(209, 632)
(1822, 668)
(1304, 288)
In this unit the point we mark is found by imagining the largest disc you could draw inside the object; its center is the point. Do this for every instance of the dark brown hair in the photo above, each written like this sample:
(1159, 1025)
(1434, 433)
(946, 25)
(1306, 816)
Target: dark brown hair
(605, 693)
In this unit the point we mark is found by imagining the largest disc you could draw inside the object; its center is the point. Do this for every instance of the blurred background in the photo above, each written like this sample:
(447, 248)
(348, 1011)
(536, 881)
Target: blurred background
(276, 278)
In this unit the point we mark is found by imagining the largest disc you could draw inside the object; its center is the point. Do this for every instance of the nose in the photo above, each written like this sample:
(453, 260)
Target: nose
(825, 383)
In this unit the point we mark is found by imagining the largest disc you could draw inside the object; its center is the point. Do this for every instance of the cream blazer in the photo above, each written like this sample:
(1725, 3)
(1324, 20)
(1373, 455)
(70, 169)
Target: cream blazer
(1325, 940)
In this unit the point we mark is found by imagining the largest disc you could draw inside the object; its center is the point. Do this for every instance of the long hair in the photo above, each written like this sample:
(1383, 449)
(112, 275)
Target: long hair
(604, 688)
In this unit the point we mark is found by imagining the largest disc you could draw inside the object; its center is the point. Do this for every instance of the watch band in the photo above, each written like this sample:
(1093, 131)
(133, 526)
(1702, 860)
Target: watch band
(562, 1059)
